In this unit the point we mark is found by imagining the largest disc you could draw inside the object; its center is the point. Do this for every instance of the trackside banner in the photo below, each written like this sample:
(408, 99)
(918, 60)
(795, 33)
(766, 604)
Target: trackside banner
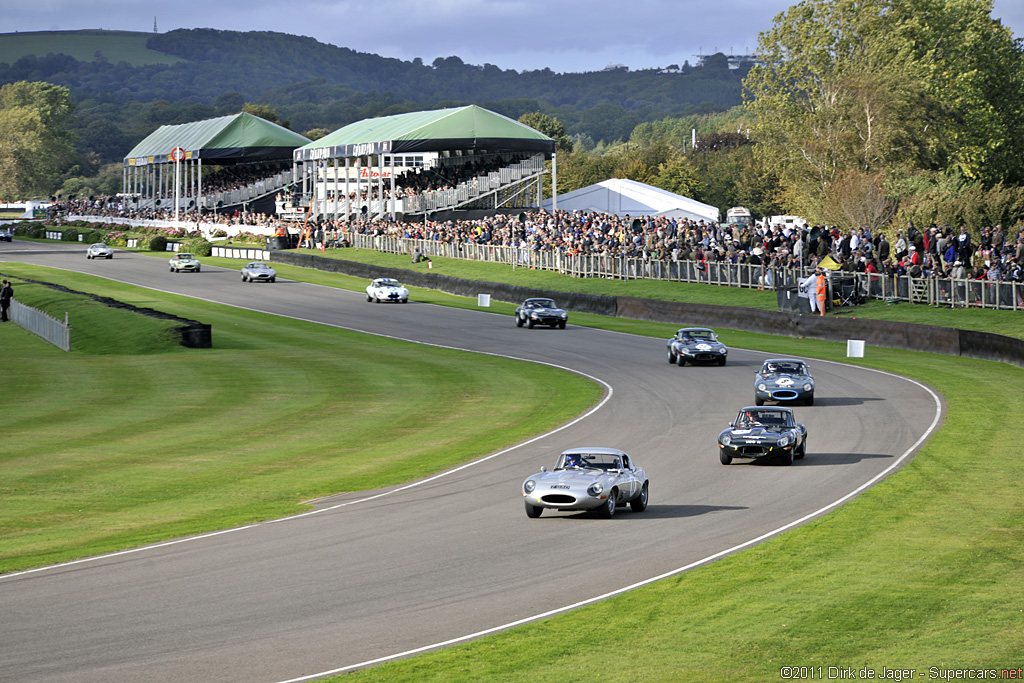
(361, 149)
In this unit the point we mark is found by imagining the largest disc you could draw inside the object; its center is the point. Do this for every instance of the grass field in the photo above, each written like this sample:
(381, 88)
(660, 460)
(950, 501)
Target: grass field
(132, 438)
(924, 570)
(115, 46)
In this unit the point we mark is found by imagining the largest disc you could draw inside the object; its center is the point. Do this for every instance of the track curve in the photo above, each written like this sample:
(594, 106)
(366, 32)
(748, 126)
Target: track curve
(368, 576)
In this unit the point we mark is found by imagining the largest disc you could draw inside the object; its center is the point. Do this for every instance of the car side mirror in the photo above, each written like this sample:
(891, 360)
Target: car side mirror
(543, 468)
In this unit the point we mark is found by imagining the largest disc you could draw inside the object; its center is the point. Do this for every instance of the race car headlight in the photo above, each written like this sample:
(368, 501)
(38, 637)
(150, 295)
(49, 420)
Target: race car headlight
(595, 490)
(564, 314)
(809, 386)
(784, 441)
(529, 486)
(722, 351)
(762, 387)
(726, 440)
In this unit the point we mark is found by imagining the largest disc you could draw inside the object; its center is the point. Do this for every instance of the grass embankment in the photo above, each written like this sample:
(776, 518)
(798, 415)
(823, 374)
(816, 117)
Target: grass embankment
(124, 442)
(1009, 323)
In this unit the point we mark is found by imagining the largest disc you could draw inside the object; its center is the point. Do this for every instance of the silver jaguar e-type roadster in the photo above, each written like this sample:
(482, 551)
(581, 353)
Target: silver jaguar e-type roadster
(598, 479)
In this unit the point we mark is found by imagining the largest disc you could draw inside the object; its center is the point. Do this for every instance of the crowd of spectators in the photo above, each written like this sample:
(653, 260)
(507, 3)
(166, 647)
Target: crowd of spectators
(933, 251)
(421, 180)
(240, 176)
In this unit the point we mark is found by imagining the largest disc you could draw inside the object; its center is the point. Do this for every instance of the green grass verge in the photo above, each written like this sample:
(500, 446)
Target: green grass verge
(105, 449)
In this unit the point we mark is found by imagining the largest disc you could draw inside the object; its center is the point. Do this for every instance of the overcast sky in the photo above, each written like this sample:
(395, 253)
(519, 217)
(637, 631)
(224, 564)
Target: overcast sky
(564, 35)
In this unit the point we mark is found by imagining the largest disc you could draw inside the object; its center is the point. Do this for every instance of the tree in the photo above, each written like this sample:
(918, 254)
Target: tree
(885, 88)
(679, 176)
(264, 112)
(35, 143)
(550, 126)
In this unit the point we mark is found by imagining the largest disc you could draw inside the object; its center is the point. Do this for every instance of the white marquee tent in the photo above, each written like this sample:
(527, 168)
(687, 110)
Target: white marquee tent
(621, 197)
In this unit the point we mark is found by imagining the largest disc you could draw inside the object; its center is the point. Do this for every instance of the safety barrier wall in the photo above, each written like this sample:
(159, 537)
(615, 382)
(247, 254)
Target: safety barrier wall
(246, 254)
(56, 332)
(884, 333)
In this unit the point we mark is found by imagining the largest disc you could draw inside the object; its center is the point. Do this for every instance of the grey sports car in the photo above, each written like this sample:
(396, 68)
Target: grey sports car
(99, 250)
(770, 433)
(180, 262)
(258, 271)
(588, 478)
(539, 311)
(696, 345)
(786, 380)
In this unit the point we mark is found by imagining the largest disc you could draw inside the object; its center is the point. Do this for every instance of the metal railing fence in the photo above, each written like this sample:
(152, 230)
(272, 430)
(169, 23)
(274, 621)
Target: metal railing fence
(932, 291)
(51, 329)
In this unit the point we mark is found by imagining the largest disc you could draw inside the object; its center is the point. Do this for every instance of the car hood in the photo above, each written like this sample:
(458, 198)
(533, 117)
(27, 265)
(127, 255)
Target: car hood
(699, 345)
(545, 311)
(570, 478)
(785, 380)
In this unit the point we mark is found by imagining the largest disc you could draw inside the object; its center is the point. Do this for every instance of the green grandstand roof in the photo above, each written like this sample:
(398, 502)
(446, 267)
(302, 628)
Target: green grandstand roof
(469, 127)
(223, 140)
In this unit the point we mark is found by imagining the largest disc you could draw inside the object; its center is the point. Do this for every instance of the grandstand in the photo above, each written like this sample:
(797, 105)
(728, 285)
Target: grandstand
(246, 159)
(421, 163)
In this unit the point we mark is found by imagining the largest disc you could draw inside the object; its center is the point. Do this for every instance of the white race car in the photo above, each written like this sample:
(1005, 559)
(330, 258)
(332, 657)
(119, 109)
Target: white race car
(387, 289)
(99, 250)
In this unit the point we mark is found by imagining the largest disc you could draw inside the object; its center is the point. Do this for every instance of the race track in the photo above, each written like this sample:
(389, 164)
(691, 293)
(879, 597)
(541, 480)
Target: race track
(367, 576)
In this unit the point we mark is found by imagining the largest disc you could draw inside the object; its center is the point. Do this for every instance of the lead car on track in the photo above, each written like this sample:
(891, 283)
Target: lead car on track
(588, 478)
(387, 289)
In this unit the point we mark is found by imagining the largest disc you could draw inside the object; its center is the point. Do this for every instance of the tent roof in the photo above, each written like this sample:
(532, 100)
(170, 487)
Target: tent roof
(224, 140)
(620, 197)
(469, 127)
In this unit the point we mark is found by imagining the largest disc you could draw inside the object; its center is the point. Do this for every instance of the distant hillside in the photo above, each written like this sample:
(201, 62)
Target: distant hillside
(127, 84)
(88, 45)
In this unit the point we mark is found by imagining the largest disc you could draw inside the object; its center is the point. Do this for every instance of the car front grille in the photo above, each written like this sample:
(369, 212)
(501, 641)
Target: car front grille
(558, 499)
(784, 394)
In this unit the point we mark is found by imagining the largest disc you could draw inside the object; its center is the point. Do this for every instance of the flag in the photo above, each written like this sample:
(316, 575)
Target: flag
(828, 263)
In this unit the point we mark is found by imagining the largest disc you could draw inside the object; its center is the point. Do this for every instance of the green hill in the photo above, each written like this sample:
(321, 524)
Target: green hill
(89, 45)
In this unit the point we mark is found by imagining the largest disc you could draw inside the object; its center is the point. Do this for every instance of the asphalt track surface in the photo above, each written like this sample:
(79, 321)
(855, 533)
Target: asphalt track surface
(371, 575)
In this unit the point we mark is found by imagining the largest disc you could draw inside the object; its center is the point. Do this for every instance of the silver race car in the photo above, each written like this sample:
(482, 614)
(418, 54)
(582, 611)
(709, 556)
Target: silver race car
(387, 289)
(258, 271)
(187, 262)
(696, 345)
(785, 380)
(598, 479)
(769, 433)
(99, 250)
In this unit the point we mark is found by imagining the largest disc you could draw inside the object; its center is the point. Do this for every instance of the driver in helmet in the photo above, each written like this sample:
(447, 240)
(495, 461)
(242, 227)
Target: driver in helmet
(572, 460)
